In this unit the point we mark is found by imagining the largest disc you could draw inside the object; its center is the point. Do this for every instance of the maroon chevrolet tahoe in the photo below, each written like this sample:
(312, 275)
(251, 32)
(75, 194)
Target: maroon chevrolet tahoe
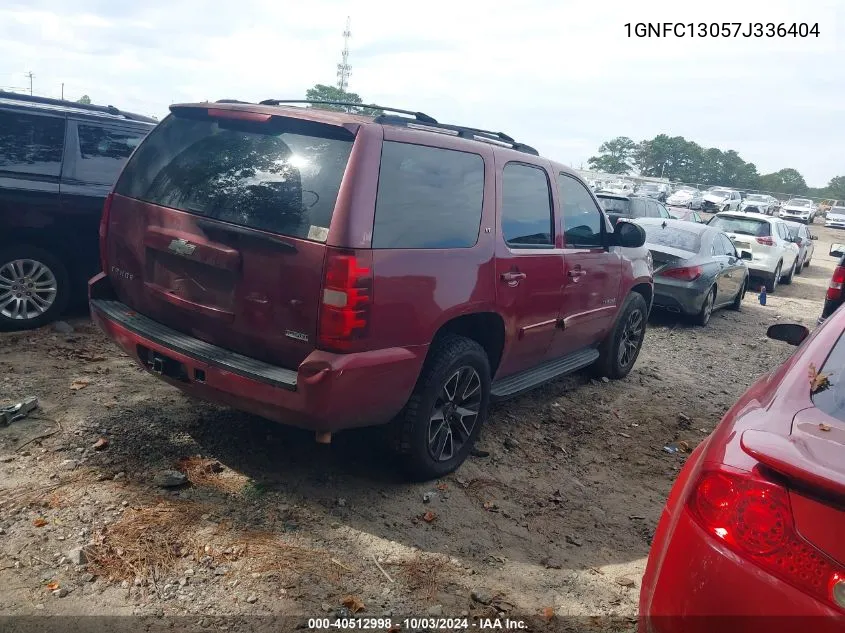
(331, 270)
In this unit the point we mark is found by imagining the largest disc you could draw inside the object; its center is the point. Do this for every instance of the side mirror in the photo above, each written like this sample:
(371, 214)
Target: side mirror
(791, 333)
(627, 235)
(837, 250)
(746, 255)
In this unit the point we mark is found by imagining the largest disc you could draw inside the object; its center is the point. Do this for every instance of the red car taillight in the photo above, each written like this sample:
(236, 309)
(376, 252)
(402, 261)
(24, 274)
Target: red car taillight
(834, 289)
(753, 517)
(346, 299)
(688, 273)
(104, 232)
(766, 241)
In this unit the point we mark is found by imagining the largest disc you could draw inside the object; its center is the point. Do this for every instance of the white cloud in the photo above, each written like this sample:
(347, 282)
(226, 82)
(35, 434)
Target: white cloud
(562, 76)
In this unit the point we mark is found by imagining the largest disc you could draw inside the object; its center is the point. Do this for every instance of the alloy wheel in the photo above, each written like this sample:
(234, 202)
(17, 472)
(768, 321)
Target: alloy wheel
(28, 288)
(455, 414)
(632, 338)
(707, 309)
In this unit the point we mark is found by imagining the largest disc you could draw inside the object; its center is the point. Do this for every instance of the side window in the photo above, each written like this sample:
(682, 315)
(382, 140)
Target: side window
(653, 209)
(526, 206)
(727, 245)
(103, 150)
(638, 208)
(428, 197)
(31, 144)
(582, 220)
(664, 213)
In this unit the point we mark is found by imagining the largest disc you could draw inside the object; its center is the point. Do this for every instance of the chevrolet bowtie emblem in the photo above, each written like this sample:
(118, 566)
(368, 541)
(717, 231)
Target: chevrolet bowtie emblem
(181, 247)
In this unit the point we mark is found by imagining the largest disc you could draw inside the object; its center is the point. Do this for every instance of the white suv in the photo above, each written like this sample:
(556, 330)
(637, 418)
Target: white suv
(800, 209)
(774, 254)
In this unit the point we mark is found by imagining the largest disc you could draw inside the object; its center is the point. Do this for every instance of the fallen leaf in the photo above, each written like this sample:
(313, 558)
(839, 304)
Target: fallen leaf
(824, 427)
(76, 385)
(684, 446)
(52, 586)
(353, 604)
(429, 516)
(818, 380)
(40, 522)
(100, 444)
(442, 486)
(491, 506)
(549, 613)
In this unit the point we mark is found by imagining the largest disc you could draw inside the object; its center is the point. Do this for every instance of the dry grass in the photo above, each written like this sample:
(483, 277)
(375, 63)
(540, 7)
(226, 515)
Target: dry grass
(149, 543)
(424, 573)
(55, 495)
(211, 474)
(146, 541)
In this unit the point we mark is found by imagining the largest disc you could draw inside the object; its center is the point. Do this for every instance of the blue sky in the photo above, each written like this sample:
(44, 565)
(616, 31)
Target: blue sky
(560, 75)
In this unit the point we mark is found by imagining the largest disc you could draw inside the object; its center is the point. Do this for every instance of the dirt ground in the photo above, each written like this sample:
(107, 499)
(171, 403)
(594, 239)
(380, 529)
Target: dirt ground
(559, 515)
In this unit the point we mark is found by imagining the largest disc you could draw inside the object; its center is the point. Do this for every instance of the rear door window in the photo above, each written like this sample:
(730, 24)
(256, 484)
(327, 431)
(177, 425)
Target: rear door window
(103, 150)
(281, 176)
(527, 219)
(428, 197)
(31, 144)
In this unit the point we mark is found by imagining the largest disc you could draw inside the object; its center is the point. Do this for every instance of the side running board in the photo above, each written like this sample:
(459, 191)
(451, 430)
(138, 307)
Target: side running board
(530, 378)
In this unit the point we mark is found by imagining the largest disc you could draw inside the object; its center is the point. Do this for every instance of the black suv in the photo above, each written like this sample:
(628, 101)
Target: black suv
(58, 161)
(631, 207)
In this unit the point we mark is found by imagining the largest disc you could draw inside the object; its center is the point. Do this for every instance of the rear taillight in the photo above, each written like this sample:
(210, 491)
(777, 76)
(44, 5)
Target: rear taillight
(766, 241)
(834, 289)
(687, 273)
(104, 232)
(753, 517)
(346, 300)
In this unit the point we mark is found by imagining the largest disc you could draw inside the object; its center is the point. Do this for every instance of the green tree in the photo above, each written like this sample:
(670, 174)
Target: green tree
(615, 156)
(322, 92)
(671, 157)
(789, 181)
(836, 188)
(84, 99)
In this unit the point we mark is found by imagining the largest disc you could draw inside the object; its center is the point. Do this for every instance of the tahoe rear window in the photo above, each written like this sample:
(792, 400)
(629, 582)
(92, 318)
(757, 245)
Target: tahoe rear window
(741, 226)
(428, 197)
(831, 399)
(281, 176)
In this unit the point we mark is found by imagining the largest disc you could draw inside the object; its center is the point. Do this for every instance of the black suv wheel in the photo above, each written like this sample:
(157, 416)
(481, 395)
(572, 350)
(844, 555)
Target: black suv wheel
(619, 351)
(443, 418)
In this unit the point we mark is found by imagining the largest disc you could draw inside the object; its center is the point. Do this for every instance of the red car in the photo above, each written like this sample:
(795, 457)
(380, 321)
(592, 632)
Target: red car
(332, 270)
(752, 537)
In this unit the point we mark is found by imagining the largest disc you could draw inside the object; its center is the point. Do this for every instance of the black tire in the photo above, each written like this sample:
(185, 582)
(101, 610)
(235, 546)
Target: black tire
(703, 316)
(58, 298)
(799, 268)
(610, 362)
(737, 304)
(450, 355)
(787, 279)
(807, 263)
(772, 282)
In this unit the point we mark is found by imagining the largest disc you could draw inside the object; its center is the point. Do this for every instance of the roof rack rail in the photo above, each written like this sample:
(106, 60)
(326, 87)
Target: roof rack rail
(474, 133)
(107, 109)
(421, 121)
(419, 116)
(231, 101)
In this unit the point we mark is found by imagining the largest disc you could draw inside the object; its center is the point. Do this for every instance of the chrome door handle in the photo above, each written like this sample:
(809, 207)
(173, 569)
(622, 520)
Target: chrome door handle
(512, 278)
